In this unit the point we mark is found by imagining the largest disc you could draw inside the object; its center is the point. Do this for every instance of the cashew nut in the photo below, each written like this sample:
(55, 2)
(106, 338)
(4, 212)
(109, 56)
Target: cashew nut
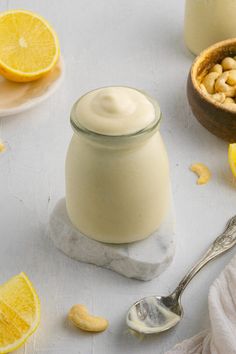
(222, 86)
(232, 78)
(228, 63)
(2, 147)
(209, 81)
(229, 100)
(218, 97)
(202, 171)
(80, 317)
(217, 68)
(204, 90)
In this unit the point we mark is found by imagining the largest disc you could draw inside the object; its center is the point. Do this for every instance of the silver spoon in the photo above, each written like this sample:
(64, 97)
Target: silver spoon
(155, 314)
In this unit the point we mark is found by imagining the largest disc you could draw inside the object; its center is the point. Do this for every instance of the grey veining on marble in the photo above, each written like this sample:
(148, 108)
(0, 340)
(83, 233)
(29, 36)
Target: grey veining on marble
(143, 260)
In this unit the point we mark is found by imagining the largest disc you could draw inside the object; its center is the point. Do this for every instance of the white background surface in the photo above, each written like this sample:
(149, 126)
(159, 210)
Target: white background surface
(136, 43)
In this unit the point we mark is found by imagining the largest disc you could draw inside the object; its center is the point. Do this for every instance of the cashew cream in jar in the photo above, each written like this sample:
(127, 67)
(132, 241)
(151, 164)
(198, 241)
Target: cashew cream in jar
(117, 173)
(208, 22)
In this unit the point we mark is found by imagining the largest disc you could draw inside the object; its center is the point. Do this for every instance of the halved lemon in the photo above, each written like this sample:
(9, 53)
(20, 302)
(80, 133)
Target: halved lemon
(19, 312)
(29, 47)
(232, 158)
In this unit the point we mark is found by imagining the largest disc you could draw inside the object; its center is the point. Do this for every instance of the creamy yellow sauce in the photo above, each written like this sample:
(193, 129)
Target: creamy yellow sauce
(208, 22)
(115, 111)
(164, 319)
(116, 191)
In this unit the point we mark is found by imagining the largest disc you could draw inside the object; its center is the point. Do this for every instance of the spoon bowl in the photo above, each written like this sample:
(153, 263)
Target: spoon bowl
(154, 314)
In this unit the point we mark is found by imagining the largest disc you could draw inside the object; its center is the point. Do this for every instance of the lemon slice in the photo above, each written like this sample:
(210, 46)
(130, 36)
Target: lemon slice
(29, 47)
(19, 312)
(232, 158)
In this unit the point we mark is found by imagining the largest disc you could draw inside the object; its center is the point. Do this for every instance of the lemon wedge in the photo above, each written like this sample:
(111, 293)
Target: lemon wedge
(19, 312)
(232, 158)
(29, 47)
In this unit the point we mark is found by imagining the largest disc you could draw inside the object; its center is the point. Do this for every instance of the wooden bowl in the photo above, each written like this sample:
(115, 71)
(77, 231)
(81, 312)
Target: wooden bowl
(218, 119)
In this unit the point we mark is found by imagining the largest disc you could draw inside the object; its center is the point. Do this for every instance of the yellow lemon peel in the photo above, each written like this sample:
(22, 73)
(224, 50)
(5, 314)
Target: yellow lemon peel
(19, 312)
(232, 158)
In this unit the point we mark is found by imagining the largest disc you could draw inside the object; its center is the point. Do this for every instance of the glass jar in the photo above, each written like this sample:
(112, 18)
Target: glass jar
(117, 187)
(208, 22)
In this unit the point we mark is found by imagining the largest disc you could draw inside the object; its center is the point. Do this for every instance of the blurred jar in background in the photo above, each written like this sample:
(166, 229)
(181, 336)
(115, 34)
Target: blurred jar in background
(208, 22)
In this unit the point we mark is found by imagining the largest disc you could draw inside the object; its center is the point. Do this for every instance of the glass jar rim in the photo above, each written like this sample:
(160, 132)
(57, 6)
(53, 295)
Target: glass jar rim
(79, 128)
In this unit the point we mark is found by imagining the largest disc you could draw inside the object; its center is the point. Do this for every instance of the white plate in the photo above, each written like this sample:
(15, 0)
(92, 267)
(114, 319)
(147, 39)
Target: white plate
(19, 97)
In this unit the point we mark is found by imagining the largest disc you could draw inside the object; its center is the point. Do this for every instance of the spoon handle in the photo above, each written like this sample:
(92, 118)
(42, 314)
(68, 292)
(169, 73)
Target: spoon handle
(221, 244)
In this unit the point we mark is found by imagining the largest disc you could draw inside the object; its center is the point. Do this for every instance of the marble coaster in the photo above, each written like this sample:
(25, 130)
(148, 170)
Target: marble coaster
(143, 260)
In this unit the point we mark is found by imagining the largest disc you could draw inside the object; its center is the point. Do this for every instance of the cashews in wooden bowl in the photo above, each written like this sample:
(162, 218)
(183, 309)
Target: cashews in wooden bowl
(211, 89)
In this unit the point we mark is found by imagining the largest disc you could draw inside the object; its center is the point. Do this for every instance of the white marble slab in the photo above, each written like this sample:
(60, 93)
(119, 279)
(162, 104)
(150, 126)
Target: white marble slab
(143, 260)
